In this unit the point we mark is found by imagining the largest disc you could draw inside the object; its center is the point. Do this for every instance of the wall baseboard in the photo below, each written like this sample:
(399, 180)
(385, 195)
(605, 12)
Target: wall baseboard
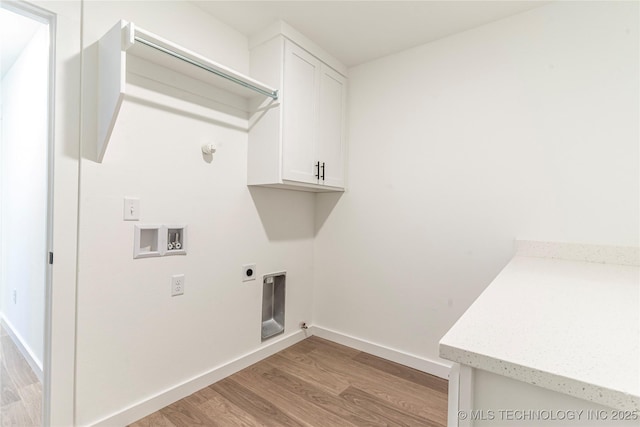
(23, 348)
(429, 366)
(143, 408)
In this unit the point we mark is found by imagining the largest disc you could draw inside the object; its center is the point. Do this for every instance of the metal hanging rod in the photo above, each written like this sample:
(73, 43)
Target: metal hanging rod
(270, 94)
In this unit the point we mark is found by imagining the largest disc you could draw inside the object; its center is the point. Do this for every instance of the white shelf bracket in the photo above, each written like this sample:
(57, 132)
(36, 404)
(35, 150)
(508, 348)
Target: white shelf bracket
(127, 39)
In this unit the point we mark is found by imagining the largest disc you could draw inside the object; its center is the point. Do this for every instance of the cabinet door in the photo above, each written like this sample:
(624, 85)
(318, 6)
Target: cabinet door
(300, 100)
(331, 126)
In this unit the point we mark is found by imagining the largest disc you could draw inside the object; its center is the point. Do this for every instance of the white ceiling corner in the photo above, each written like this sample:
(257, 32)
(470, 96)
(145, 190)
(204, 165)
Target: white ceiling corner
(355, 32)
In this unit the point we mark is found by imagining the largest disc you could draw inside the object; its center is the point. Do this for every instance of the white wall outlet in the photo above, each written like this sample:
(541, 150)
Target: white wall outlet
(131, 209)
(14, 296)
(248, 272)
(177, 284)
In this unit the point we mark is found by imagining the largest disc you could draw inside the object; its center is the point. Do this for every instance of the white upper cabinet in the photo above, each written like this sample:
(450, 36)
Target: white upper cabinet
(298, 142)
(301, 79)
(331, 126)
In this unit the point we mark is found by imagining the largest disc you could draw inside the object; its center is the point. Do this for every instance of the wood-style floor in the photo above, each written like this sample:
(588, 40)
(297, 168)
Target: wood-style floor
(314, 383)
(20, 389)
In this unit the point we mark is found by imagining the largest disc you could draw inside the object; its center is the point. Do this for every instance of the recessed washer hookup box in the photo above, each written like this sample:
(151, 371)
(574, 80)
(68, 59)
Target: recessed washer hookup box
(273, 304)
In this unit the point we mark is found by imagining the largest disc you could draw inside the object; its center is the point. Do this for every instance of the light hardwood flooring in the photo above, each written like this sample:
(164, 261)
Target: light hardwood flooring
(20, 389)
(314, 383)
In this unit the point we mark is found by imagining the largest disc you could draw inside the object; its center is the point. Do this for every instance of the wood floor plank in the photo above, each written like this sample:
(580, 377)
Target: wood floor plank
(183, 414)
(216, 407)
(286, 399)
(385, 410)
(253, 404)
(8, 390)
(317, 343)
(20, 389)
(303, 346)
(409, 374)
(31, 397)
(315, 396)
(415, 399)
(295, 364)
(14, 414)
(154, 420)
(402, 393)
(18, 368)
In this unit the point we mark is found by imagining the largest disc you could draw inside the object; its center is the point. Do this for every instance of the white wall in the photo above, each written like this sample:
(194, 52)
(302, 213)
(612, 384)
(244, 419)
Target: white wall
(24, 194)
(523, 128)
(134, 340)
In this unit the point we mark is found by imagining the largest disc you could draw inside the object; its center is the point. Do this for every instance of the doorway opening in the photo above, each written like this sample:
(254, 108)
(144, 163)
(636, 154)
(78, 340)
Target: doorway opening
(26, 130)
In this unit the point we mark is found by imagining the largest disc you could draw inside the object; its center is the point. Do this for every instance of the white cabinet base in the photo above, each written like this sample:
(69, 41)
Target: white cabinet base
(479, 398)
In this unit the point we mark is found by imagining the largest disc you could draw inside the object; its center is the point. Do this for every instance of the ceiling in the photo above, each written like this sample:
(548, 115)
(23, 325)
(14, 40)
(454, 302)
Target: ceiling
(355, 32)
(15, 32)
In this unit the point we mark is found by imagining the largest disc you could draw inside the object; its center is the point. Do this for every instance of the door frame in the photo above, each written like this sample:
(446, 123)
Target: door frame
(46, 17)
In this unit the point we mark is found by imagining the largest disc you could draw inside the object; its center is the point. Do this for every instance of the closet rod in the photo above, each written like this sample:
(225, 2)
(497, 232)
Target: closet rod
(270, 94)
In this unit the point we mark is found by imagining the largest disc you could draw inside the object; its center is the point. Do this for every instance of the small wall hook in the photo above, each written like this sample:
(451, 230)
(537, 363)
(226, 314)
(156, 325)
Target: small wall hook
(209, 148)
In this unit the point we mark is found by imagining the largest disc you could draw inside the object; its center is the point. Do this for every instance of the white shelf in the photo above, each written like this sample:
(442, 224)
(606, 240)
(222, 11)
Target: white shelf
(127, 39)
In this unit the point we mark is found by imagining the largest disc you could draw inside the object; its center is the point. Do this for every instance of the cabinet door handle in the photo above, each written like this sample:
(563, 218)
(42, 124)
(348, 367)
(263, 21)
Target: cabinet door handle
(317, 165)
(323, 171)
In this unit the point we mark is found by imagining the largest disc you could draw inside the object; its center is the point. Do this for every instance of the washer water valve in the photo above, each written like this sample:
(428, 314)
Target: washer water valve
(176, 242)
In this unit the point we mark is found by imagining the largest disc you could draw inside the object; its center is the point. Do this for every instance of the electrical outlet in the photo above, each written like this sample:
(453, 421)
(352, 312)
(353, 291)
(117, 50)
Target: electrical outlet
(14, 295)
(248, 272)
(177, 284)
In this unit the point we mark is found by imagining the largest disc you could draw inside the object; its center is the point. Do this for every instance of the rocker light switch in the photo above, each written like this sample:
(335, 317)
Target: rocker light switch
(131, 209)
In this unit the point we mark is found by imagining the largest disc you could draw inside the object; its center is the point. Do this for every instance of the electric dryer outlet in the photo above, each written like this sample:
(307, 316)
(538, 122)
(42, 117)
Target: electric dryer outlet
(248, 272)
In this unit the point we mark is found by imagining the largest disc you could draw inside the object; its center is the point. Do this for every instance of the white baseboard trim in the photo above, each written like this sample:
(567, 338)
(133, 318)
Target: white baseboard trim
(429, 366)
(148, 406)
(24, 349)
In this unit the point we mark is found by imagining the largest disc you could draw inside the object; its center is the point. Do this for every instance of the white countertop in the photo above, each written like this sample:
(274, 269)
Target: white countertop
(568, 326)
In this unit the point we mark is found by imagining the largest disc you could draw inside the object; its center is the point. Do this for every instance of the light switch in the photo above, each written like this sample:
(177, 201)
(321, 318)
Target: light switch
(131, 209)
